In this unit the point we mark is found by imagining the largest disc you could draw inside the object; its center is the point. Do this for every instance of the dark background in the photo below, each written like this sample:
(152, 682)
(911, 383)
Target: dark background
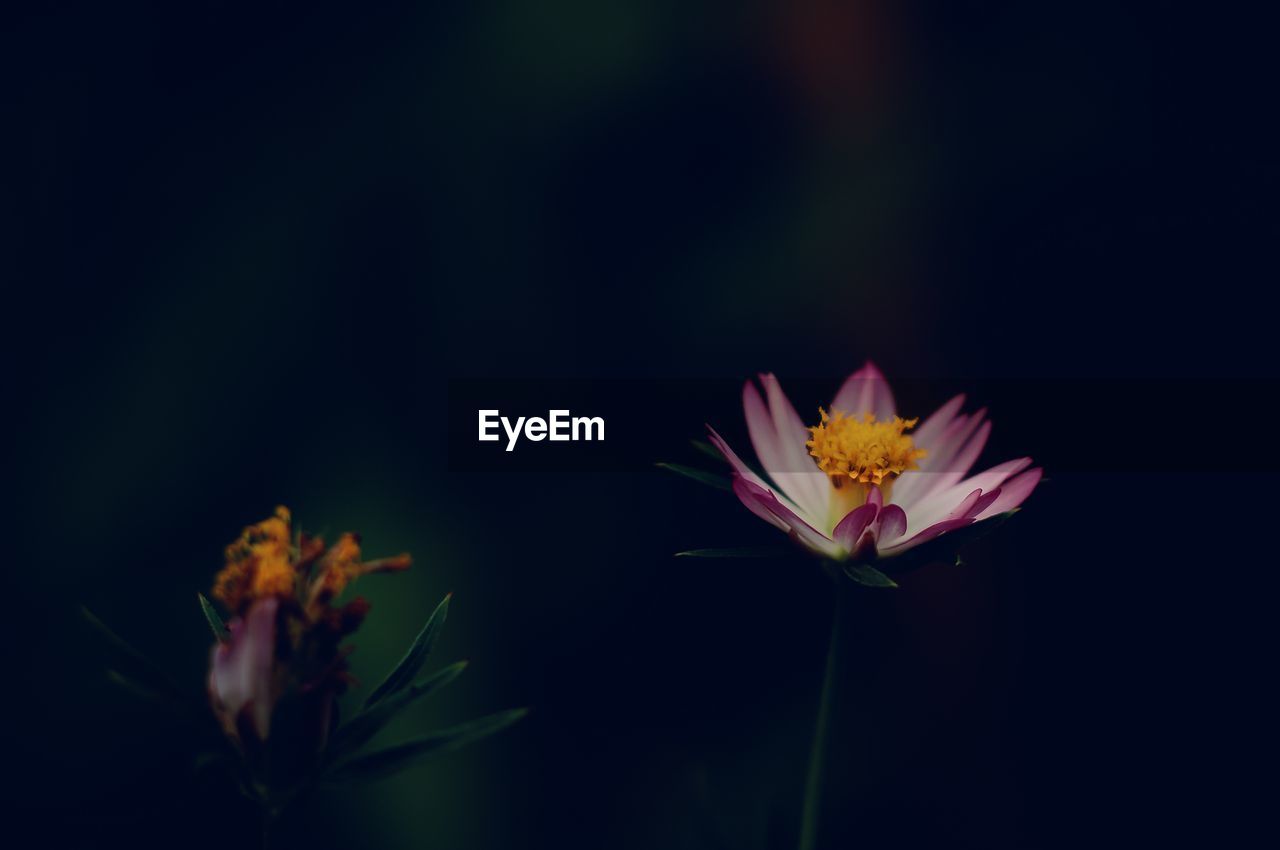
(245, 251)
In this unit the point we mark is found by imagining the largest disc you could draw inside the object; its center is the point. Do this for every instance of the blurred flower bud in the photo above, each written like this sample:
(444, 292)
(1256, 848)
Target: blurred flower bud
(278, 674)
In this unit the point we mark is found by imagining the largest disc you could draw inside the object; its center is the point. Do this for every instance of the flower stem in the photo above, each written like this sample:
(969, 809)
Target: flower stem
(817, 755)
(269, 815)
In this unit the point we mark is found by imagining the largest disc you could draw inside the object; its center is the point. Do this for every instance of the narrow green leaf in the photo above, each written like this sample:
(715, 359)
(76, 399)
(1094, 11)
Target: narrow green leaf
(358, 730)
(140, 672)
(708, 450)
(739, 552)
(393, 759)
(701, 476)
(113, 640)
(216, 625)
(867, 575)
(133, 686)
(402, 676)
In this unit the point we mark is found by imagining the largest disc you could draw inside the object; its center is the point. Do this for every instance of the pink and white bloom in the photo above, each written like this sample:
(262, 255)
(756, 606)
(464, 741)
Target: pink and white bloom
(243, 686)
(856, 486)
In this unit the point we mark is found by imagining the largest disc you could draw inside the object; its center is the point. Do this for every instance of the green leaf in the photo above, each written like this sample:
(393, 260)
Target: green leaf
(356, 732)
(216, 625)
(701, 476)
(134, 687)
(868, 575)
(113, 640)
(138, 673)
(739, 552)
(394, 759)
(708, 450)
(402, 676)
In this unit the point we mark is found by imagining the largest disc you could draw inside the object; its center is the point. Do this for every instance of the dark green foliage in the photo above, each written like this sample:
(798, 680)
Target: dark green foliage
(396, 758)
(711, 479)
(403, 674)
(216, 625)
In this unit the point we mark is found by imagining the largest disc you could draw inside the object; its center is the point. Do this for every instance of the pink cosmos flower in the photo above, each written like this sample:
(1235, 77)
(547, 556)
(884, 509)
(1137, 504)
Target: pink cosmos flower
(857, 486)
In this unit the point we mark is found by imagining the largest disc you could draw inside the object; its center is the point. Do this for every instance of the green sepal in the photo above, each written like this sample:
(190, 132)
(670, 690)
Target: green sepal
(867, 575)
(216, 625)
(394, 759)
(402, 676)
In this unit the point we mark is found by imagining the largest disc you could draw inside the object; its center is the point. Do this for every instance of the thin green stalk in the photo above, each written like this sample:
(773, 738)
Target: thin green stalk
(817, 756)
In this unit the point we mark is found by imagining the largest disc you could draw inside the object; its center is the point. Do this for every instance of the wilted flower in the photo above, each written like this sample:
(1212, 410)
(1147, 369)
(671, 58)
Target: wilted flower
(863, 483)
(283, 641)
(278, 666)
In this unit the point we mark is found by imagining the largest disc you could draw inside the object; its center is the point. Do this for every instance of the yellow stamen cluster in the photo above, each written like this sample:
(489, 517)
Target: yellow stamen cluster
(259, 563)
(339, 565)
(266, 561)
(863, 450)
(342, 565)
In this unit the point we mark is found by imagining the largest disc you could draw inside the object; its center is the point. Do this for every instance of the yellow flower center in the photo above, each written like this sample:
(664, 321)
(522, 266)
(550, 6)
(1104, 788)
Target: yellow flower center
(862, 450)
